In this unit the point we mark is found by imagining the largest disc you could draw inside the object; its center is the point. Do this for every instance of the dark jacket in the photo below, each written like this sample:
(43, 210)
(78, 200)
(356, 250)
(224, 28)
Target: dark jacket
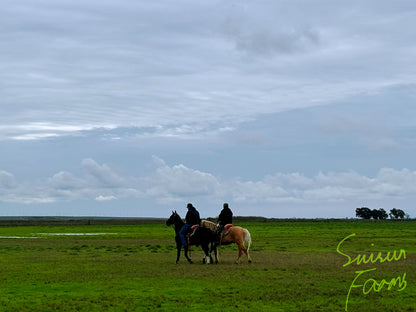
(192, 216)
(226, 216)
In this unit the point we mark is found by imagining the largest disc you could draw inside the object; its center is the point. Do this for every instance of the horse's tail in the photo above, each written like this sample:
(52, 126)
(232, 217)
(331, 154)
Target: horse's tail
(247, 238)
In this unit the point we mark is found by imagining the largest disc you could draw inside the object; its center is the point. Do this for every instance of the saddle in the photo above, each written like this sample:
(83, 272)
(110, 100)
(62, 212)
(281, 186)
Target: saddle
(226, 230)
(191, 232)
(193, 228)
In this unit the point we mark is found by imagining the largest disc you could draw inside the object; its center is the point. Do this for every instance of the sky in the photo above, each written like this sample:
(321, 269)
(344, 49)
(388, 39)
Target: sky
(282, 109)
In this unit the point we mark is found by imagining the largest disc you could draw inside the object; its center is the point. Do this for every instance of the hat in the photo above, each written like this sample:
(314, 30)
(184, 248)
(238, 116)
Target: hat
(189, 206)
(225, 205)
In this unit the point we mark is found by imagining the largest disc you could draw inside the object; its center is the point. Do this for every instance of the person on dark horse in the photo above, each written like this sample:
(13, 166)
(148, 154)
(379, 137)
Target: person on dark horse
(201, 236)
(191, 218)
(225, 217)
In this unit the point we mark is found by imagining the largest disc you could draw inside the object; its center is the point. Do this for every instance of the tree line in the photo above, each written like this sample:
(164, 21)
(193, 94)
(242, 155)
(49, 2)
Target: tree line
(380, 214)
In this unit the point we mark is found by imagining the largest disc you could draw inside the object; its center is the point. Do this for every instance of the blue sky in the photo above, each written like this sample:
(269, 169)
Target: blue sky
(280, 108)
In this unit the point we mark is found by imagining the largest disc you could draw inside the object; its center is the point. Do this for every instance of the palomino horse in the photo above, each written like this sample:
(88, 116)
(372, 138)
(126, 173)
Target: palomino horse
(236, 234)
(201, 236)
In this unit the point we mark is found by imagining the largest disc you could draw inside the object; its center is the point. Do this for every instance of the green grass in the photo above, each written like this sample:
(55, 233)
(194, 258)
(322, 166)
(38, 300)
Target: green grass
(132, 268)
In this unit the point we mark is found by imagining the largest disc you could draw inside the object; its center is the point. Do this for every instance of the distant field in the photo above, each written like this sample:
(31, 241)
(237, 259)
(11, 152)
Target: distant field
(296, 267)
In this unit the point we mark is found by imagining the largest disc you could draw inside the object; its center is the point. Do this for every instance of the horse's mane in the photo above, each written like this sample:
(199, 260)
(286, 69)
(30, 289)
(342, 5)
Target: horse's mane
(208, 224)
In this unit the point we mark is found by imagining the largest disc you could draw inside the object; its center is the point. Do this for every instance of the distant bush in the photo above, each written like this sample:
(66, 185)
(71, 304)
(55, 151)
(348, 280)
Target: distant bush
(396, 214)
(363, 212)
(379, 214)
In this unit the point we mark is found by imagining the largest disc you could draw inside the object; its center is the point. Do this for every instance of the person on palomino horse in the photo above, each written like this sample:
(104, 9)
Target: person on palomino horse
(225, 217)
(191, 218)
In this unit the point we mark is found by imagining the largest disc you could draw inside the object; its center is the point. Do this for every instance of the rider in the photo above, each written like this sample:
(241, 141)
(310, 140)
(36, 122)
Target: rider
(225, 217)
(191, 218)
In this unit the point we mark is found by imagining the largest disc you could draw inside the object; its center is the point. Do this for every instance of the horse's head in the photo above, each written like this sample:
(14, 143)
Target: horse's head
(173, 219)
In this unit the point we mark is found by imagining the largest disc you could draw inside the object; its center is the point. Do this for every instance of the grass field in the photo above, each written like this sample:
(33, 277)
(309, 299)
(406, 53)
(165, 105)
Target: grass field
(296, 267)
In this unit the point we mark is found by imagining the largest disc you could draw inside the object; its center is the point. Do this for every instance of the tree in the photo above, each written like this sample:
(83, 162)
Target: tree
(363, 212)
(383, 213)
(367, 213)
(396, 213)
(379, 214)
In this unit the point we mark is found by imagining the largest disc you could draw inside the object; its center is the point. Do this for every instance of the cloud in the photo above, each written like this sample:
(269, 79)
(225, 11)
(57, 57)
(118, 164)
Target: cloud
(179, 181)
(168, 185)
(26, 193)
(257, 192)
(65, 180)
(269, 40)
(396, 182)
(7, 180)
(101, 175)
(131, 75)
(75, 67)
(105, 198)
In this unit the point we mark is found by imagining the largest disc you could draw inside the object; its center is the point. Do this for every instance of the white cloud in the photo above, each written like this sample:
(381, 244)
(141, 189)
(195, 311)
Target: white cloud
(161, 63)
(257, 192)
(137, 74)
(180, 181)
(101, 175)
(396, 182)
(21, 198)
(105, 198)
(65, 180)
(27, 193)
(177, 184)
(43, 130)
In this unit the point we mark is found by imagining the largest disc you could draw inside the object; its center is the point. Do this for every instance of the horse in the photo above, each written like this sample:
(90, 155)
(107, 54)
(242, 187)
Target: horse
(237, 235)
(201, 236)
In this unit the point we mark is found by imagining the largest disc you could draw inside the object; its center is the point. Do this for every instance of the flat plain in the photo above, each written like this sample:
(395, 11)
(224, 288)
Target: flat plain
(296, 267)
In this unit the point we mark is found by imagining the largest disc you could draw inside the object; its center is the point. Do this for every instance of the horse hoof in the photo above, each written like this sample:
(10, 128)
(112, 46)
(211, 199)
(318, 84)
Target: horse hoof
(249, 261)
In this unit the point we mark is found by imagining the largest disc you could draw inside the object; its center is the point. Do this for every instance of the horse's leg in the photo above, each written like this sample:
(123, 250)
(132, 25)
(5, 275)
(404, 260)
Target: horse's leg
(178, 248)
(214, 248)
(241, 249)
(186, 254)
(244, 249)
(248, 256)
(209, 255)
(178, 252)
(247, 239)
(246, 252)
(207, 258)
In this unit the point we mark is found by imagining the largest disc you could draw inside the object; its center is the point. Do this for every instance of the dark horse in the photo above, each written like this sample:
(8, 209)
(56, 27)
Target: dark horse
(201, 236)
